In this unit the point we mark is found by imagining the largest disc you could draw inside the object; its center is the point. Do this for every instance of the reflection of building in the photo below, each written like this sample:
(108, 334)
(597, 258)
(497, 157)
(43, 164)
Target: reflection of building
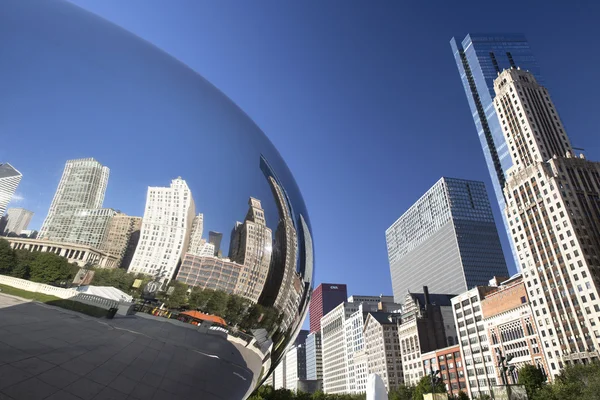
(553, 210)
(210, 272)
(479, 59)
(324, 298)
(450, 364)
(17, 220)
(251, 245)
(122, 236)
(82, 255)
(88, 226)
(511, 328)
(165, 230)
(9, 180)
(82, 186)
(382, 348)
(447, 240)
(427, 324)
(215, 238)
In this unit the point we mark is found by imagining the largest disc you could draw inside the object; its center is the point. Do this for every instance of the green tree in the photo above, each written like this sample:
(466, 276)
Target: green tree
(462, 396)
(115, 277)
(532, 378)
(217, 303)
(424, 387)
(199, 298)
(24, 259)
(51, 268)
(237, 306)
(178, 297)
(402, 393)
(8, 259)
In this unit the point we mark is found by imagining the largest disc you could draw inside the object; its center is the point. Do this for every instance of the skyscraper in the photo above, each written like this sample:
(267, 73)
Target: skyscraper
(166, 227)
(122, 236)
(18, 219)
(251, 245)
(9, 180)
(325, 298)
(196, 242)
(553, 210)
(82, 186)
(314, 360)
(447, 241)
(89, 226)
(480, 58)
(215, 238)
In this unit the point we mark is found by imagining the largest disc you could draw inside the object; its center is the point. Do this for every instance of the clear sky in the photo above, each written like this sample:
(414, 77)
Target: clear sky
(363, 99)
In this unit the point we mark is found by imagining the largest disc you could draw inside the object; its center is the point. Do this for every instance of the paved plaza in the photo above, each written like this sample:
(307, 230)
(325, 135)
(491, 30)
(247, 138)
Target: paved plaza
(55, 354)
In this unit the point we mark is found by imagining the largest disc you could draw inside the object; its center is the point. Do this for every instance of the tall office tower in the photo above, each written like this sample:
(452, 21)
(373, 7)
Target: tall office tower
(314, 359)
(166, 227)
(427, 324)
(215, 238)
(382, 348)
(479, 58)
(251, 245)
(447, 240)
(553, 211)
(18, 219)
(9, 180)
(196, 242)
(89, 226)
(82, 186)
(295, 360)
(325, 298)
(121, 239)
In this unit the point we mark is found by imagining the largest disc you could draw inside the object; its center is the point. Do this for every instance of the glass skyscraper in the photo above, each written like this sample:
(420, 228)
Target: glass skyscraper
(446, 241)
(480, 58)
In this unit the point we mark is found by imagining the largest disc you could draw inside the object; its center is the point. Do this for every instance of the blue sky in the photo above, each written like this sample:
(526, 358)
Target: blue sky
(363, 100)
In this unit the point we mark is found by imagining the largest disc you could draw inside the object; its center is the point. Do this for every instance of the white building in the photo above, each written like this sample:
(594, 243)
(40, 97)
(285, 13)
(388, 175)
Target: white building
(279, 375)
(382, 349)
(9, 180)
(474, 343)
(18, 220)
(314, 359)
(196, 242)
(165, 230)
(82, 186)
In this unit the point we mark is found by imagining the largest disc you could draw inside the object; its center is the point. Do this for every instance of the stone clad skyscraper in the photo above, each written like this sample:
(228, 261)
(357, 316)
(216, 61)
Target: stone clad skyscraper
(480, 58)
(165, 232)
(9, 180)
(81, 187)
(553, 210)
(18, 220)
(447, 241)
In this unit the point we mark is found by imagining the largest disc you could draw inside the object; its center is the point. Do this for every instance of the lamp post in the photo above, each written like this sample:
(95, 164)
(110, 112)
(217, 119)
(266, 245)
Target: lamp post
(435, 379)
(504, 368)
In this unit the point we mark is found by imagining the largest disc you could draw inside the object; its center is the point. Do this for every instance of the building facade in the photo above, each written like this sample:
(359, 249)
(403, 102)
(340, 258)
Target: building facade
(325, 298)
(166, 226)
(553, 213)
(196, 243)
(480, 58)
(252, 245)
(17, 220)
(511, 328)
(89, 227)
(122, 236)
(215, 239)
(210, 272)
(382, 349)
(449, 362)
(9, 180)
(81, 187)
(447, 240)
(314, 360)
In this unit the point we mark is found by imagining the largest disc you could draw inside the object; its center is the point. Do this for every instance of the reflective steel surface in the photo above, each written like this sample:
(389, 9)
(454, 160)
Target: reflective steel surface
(104, 126)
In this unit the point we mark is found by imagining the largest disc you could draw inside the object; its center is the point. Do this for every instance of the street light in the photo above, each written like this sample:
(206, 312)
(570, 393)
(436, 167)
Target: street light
(504, 368)
(435, 379)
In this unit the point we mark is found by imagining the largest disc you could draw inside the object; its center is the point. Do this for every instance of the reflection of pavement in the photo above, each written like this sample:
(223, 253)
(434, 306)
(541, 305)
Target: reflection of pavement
(49, 353)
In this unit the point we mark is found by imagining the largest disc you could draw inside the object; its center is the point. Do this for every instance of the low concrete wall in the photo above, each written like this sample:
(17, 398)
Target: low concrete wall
(71, 294)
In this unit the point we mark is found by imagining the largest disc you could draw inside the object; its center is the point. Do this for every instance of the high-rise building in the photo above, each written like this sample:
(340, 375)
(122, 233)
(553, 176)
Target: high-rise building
(196, 242)
(81, 187)
(382, 348)
(215, 238)
(9, 180)
(447, 240)
(480, 58)
(122, 236)
(325, 298)
(314, 359)
(553, 203)
(88, 227)
(210, 272)
(251, 245)
(166, 227)
(295, 361)
(17, 221)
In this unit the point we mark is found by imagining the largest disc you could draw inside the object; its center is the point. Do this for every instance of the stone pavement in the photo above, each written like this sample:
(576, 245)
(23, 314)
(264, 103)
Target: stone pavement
(55, 354)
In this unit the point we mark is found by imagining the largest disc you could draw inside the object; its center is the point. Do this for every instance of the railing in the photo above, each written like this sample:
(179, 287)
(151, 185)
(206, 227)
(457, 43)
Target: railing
(62, 293)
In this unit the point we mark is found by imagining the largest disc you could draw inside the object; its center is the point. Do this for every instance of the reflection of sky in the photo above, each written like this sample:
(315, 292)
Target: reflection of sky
(75, 90)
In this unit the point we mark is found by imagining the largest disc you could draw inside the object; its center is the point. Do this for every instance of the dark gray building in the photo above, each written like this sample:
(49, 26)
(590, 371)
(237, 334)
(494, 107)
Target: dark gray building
(447, 240)
(215, 239)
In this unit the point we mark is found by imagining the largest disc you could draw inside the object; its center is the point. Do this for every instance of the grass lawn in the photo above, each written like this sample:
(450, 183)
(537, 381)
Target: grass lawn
(55, 301)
